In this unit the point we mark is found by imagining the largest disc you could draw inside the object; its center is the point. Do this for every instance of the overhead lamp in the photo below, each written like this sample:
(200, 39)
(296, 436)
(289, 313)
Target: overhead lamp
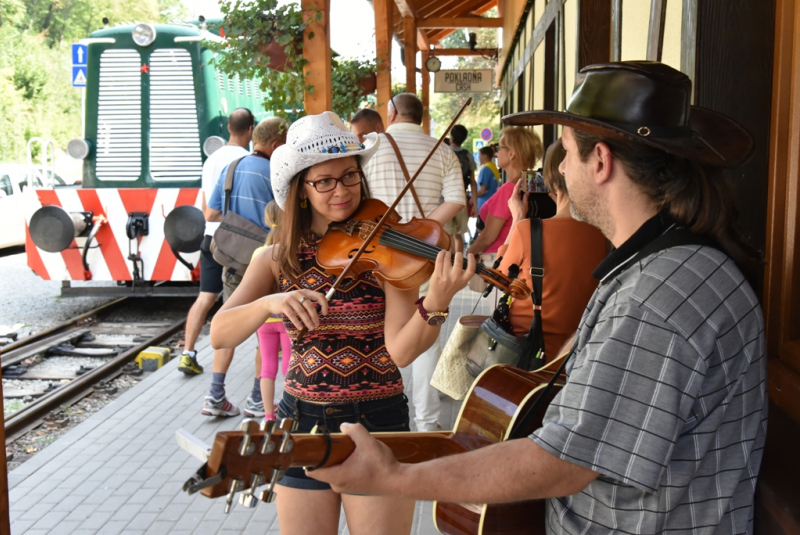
(473, 41)
(433, 64)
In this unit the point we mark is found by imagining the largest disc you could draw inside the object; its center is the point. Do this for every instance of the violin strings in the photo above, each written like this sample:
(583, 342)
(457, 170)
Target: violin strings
(409, 244)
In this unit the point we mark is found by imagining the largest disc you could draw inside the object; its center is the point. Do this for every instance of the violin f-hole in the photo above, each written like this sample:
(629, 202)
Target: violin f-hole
(370, 249)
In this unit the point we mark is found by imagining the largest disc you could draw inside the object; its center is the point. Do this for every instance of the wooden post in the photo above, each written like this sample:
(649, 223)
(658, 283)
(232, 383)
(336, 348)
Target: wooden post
(410, 41)
(317, 51)
(383, 52)
(426, 97)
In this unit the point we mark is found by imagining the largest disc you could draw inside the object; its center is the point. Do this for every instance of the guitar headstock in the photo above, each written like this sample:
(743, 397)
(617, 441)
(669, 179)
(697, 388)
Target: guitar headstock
(247, 459)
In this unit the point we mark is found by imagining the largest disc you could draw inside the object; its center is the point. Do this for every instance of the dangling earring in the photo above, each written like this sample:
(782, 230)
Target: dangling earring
(303, 204)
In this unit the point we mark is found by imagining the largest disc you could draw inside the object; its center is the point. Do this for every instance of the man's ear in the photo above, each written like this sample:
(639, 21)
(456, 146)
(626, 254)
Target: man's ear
(604, 163)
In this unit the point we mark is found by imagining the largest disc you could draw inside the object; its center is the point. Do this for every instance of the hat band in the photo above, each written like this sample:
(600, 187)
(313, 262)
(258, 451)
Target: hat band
(654, 131)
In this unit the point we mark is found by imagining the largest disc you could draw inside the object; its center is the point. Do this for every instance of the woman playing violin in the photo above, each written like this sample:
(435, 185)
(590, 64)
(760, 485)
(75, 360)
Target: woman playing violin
(345, 369)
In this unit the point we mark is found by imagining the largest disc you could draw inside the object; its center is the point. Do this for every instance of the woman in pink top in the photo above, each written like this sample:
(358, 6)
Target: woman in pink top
(519, 149)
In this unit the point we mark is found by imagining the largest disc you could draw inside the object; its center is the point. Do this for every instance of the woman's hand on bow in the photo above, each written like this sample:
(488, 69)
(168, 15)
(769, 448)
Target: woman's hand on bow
(299, 306)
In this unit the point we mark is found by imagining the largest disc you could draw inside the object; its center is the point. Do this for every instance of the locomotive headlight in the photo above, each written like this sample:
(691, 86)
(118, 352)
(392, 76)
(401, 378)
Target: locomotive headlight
(144, 34)
(78, 149)
(212, 144)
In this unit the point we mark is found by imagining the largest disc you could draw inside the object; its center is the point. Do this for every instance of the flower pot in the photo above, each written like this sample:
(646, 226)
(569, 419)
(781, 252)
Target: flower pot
(277, 55)
(368, 85)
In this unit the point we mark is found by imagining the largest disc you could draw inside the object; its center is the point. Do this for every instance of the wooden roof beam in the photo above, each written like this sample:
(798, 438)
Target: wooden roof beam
(460, 22)
(406, 9)
(463, 52)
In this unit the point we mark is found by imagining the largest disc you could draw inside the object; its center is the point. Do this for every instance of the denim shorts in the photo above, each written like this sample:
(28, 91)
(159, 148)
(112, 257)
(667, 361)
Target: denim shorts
(389, 414)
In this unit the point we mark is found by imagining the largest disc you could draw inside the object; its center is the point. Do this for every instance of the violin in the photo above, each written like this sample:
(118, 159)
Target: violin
(402, 255)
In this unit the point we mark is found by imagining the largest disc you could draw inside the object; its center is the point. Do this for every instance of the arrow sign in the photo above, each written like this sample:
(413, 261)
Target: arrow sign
(79, 54)
(78, 76)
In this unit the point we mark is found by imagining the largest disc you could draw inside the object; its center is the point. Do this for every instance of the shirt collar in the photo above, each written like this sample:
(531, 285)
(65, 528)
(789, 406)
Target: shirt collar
(404, 126)
(619, 257)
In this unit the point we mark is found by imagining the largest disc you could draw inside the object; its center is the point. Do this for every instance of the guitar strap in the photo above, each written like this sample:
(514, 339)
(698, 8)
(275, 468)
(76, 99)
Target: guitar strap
(670, 238)
(405, 171)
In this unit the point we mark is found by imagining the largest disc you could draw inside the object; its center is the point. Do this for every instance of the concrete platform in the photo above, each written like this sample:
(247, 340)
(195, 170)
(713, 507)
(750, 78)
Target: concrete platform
(121, 471)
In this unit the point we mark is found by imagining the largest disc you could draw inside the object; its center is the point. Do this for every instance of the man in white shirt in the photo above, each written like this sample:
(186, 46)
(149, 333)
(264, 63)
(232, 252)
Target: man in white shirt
(440, 189)
(240, 127)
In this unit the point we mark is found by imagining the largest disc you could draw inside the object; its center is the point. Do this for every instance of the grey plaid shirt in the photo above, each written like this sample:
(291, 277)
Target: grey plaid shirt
(666, 399)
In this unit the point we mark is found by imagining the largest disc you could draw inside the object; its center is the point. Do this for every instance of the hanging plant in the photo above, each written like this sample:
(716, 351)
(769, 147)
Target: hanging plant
(264, 42)
(351, 81)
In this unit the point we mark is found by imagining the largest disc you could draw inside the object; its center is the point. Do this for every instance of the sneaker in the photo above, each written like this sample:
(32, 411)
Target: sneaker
(219, 407)
(253, 409)
(189, 365)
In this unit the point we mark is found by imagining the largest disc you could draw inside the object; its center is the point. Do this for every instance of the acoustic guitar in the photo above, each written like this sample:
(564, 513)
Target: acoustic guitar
(255, 456)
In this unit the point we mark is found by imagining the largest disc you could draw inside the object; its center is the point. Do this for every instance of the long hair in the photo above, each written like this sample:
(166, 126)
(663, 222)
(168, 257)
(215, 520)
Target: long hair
(295, 226)
(272, 214)
(553, 178)
(697, 197)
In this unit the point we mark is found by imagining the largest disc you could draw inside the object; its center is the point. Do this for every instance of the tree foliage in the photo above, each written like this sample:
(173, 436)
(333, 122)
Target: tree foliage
(36, 96)
(485, 108)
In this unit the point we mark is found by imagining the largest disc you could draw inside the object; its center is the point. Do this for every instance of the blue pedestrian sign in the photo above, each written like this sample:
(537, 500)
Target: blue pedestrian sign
(79, 76)
(79, 54)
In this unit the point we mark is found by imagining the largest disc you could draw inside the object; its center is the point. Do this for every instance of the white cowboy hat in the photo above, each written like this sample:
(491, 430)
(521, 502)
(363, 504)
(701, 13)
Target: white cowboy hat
(311, 140)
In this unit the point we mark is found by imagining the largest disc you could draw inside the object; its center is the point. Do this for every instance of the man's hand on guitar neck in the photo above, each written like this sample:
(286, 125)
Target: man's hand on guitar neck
(371, 464)
(516, 470)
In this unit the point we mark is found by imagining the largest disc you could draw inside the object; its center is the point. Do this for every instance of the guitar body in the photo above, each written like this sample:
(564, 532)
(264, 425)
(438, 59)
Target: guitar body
(499, 397)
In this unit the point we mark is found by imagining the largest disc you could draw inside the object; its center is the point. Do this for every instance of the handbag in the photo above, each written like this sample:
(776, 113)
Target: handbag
(494, 345)
(450, 375)
(236, 238)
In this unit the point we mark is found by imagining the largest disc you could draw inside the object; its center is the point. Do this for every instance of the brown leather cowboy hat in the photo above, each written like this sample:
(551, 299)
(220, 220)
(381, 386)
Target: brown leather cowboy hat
(649, 102)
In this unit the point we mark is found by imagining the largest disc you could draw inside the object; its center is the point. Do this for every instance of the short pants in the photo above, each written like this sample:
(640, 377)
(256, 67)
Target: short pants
(210, 274)
(388, 414)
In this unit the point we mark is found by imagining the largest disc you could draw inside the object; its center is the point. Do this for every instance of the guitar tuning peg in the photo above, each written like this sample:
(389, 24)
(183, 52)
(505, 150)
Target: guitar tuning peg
(288, 425)
(236, 486)
(268, 495)
(268, 446)
(249, 427)
(248, 499)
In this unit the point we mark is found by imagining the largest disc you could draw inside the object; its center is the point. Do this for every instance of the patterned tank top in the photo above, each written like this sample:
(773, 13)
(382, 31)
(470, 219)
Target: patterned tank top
(345, 358)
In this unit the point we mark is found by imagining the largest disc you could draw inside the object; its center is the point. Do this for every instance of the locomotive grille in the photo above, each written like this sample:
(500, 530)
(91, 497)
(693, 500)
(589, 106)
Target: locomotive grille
(174, 135)
(119, 116)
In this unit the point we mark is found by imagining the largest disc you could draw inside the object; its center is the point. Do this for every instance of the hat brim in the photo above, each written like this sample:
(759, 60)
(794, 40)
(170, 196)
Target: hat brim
(297, 162)
(717, 140)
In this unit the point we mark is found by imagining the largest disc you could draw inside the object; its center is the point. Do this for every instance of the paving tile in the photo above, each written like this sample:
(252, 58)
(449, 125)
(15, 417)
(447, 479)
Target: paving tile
(141, 521)
(160, 528)
(66, 526)
(111, 504)
(19, 526)
(208, 527)
(81, 512)
(96, 520)
(113, 527)
(67, 503)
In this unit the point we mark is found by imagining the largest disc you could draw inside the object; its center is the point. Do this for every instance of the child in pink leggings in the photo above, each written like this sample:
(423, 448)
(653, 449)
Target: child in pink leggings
(272, 334)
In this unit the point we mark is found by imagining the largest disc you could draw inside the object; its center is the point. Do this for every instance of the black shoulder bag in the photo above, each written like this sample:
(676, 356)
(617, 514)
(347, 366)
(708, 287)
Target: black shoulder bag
(494, 344)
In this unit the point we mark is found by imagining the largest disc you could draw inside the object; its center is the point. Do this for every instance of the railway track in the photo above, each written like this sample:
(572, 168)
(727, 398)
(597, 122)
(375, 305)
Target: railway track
(61, 365)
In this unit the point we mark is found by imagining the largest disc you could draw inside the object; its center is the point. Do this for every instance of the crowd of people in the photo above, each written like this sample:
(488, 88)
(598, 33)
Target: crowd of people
(662, 417)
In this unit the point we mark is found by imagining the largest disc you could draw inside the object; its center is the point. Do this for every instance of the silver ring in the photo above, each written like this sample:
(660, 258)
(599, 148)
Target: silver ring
(302, 299)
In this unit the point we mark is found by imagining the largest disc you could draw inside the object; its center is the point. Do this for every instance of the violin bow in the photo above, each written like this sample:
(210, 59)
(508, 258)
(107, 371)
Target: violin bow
(379, 225)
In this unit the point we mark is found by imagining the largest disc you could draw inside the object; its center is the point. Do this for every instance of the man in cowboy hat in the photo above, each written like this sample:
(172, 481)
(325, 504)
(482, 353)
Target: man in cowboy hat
(661, 422)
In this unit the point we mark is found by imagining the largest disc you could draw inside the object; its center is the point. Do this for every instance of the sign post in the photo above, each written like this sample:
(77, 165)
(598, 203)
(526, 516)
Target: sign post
(80, 56)
(486, 134)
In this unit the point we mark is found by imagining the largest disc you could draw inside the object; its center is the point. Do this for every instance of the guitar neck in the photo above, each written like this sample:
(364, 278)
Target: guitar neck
(319, 450)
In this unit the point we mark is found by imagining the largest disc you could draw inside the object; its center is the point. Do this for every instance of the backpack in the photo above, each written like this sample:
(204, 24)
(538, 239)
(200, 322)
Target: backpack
(465, 160)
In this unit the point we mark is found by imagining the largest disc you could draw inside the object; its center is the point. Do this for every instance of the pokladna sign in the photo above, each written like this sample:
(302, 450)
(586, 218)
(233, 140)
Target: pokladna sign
(463, 81)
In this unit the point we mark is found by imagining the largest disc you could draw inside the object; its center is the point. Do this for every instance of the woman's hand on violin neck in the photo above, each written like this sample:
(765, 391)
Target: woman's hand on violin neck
(299, 306)
(449, 276)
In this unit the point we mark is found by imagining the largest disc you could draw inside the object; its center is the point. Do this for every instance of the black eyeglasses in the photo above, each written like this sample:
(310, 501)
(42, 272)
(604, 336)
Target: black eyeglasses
(324, 185)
